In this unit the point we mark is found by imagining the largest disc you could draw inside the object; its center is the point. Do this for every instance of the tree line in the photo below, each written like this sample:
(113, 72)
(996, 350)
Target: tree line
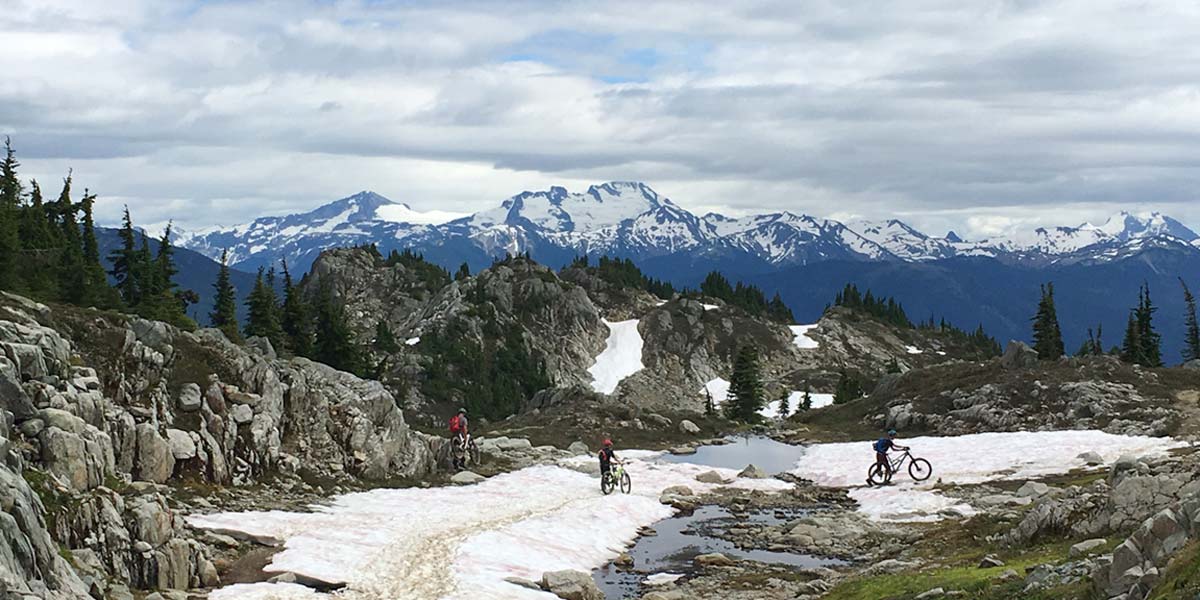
(1141, 343)
(622, 272)
(49, 251)
(746, 297)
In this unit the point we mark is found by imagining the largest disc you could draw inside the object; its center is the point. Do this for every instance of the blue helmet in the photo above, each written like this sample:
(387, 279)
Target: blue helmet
(892, 432)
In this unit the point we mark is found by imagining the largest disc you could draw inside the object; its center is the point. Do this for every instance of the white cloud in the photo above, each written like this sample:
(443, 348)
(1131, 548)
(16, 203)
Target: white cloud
(979, 117)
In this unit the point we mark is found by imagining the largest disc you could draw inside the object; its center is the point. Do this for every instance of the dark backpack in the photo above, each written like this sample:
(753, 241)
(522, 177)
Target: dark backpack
(882, 444)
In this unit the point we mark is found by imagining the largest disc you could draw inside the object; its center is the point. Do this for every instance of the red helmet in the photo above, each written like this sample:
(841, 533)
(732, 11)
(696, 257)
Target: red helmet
(607, 443)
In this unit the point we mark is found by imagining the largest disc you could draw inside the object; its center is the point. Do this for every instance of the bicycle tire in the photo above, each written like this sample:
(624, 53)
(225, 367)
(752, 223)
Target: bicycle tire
(877, 474)
(606, 484)
(626, 483)
(920, 469)
(472, 453)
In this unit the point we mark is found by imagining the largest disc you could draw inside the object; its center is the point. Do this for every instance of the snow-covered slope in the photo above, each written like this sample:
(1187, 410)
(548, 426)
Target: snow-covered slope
(629, 219)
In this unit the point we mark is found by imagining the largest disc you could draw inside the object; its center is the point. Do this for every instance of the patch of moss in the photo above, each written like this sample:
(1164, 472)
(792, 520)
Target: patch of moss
(1181, 579)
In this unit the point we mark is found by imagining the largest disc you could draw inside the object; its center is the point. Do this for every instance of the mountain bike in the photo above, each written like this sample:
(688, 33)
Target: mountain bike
(464, 451)
(918, 468)
(615, 477)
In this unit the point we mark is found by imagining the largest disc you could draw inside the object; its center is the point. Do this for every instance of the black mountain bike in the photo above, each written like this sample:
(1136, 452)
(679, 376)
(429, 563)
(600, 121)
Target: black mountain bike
(918, 468)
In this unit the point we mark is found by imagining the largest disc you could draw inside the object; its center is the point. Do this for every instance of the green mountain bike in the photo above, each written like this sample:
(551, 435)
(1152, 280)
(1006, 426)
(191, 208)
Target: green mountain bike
(616, 477)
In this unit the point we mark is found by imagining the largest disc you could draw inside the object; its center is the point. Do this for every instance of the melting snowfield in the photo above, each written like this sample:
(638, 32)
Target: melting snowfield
(461, 542)
(974, 458)
(622, 356)
(801, 338)
(719, 390)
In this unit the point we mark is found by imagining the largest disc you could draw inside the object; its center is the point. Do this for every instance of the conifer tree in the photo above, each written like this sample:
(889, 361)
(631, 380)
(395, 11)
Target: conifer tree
(1047, 336)
(35, 223)
(710, 407)
(295, 319)
(123, 260)
(745, 386)
(98, 292)
(263, 313)
(464, 271)
(784, 408)
(10, 204)
(224, 314)
(1191, 333)
(38, 240)
(72, 282)
(334, 343)
(385, 340)
(805, 401)
(1142, 344)
(849, 388)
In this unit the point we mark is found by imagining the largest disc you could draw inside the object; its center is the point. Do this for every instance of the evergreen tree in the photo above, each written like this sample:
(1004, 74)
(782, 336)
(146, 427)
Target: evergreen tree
(224, 314)
(10, 204)
(72, 281)
(385, 340)
(1191, 334)
(1131, 346)
(295, 319)
(334, 344)
(848, 388)
(38, 240)
(263, 313)
(1150, 340)
(784, 409)
(805, 401)
(1047, 336)
(710, 407)
(98, 292)
(124, 261)
(745, 386)
(464, 271)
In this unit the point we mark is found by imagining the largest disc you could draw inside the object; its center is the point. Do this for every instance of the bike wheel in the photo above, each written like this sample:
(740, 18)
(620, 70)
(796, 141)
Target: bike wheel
(920, 469)
(877, 474)
(607, 484)
(626, 483)
(472, 453)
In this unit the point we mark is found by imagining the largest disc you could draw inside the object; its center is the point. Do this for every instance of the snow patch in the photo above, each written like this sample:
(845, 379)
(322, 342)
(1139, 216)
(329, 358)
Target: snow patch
(461, 542)
(771, 410)
(412, 341)
(973, 458)
(662, 579)
(801, 338)
(718, 389)
(400, 213)
(622, 356)
(710, 306)
(913, 350)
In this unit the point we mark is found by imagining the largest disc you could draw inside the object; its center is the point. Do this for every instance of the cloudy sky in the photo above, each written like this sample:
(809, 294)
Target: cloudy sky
(979, 116)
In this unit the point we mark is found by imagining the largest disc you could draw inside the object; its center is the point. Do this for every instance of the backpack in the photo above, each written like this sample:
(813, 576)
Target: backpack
(455, 424)
(881, 445)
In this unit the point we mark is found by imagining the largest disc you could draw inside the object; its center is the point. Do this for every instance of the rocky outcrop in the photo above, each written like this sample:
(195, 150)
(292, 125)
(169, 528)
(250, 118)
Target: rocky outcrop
(1092, 393)
(104, 408)
(1135, 566)
(1135, 489)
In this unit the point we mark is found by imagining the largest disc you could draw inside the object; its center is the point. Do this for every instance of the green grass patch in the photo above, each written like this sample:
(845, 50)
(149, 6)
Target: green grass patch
(1181, 580)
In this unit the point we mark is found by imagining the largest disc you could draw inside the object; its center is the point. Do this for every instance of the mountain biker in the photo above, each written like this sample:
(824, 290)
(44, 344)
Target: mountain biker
(607, 458)
(458, 433)
(882, 446)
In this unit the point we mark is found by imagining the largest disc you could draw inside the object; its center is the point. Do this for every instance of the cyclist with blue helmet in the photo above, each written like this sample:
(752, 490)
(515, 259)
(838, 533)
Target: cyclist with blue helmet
(882, 446)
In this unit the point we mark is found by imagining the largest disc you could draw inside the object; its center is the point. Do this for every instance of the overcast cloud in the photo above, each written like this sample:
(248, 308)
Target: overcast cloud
(978, 116)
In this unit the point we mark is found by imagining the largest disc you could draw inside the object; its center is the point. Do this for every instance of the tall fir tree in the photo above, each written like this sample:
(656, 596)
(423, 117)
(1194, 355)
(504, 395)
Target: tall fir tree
(10, 205)
(39, 244)
(385, 341)
(296, 319)
(72, 280)
(1191, 330)
(224, 314)
(745, 386)
(124, 260)
(464, 271)
(334, 343)
(805, 401)
(1047, 336)
(784, 407)
(97, 291)
(1142, 344)
(848, 389)
(263, 313)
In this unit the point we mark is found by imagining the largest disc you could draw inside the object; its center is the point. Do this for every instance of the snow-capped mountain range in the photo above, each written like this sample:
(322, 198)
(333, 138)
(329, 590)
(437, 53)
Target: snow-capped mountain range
(630, 219)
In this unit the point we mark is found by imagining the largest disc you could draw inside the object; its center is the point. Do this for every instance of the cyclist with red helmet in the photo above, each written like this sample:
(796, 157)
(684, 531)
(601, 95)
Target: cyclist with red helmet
(607, 458)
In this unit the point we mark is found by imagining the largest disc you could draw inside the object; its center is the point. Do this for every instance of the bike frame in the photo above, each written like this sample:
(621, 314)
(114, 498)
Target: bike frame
(899, 462)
